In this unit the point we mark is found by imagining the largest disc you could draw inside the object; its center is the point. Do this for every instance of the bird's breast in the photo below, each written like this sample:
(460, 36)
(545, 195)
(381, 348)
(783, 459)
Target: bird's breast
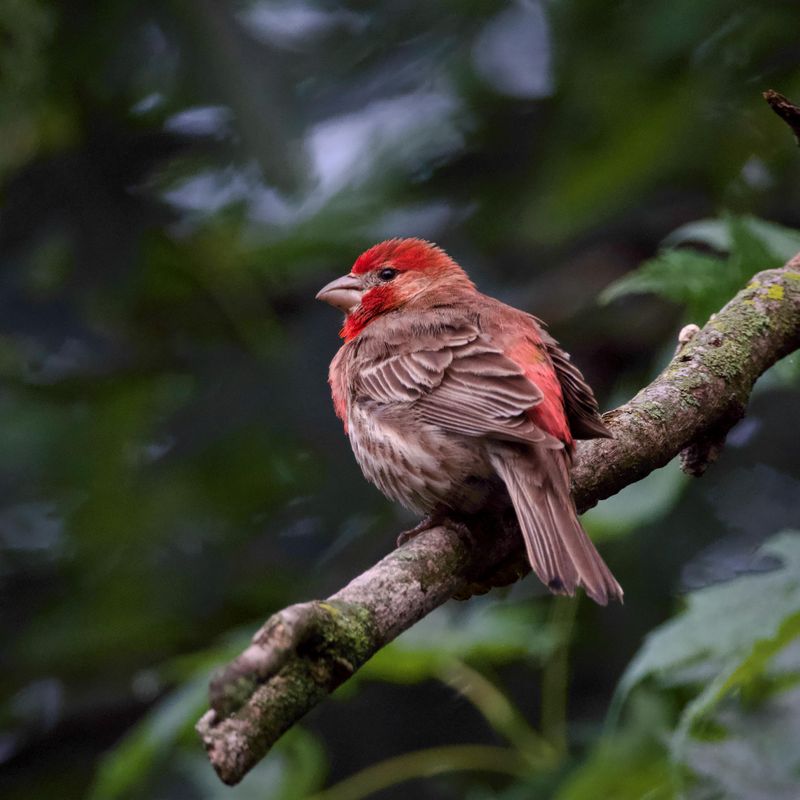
(416, 464)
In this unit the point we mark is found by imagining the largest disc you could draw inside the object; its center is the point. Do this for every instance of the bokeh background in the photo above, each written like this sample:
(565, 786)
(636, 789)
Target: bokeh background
(177, 180)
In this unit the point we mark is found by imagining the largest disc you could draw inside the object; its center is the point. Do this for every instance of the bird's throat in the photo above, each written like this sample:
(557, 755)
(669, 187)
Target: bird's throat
(375, 302)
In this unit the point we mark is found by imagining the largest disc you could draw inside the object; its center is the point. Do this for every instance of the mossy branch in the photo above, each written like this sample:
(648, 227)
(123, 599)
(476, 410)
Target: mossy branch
(304, 652)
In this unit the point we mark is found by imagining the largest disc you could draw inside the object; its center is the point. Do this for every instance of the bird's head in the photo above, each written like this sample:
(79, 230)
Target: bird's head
(389, 276)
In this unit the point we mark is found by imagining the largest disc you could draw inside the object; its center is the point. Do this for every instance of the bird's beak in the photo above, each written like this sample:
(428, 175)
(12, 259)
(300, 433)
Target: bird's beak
(344, 293)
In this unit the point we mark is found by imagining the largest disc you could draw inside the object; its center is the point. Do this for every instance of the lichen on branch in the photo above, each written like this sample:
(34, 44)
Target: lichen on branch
(304, 652)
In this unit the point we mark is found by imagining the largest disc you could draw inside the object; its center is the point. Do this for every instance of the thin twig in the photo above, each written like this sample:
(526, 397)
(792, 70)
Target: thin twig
(786, 110)
(500, 713)
(555, 677)
(424, 764)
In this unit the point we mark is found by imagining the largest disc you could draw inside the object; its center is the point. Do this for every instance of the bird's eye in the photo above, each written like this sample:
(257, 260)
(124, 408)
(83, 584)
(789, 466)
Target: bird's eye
(387, 273)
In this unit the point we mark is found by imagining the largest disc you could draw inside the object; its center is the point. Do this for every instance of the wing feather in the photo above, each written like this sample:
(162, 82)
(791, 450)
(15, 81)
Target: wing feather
(461, 382)
(580, 403)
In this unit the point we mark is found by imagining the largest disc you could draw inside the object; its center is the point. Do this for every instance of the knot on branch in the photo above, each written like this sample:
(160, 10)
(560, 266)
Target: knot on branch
(707, 447)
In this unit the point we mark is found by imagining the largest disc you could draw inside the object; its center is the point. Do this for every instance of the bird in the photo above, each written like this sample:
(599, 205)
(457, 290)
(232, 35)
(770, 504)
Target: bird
(449, 397)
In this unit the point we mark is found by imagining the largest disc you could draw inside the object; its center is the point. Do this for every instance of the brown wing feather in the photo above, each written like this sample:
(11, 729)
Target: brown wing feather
(583, 413)
(560, 552)
(461, 383)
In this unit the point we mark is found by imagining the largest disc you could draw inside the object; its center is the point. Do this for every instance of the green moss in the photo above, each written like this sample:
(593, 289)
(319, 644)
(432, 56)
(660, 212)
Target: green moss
(738, 330)
(686, 383)
(693, 381)
(689, 399)
(330, 608)
(653, 410)
(235, 694)
(775, 292)
(349, 631)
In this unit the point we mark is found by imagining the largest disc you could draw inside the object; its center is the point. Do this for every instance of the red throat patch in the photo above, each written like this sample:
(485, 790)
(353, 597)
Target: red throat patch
(373, 303)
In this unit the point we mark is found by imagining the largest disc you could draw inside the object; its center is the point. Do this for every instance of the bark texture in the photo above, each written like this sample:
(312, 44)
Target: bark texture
(786, 110)
(304, 652)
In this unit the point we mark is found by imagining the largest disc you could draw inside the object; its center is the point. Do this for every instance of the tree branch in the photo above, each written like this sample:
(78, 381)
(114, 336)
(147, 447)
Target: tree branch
(304, 652)
(785, 109)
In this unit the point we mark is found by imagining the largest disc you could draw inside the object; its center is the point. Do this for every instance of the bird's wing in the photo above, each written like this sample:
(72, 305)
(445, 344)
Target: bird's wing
(460, 381)
(337, 378)
(580, 403)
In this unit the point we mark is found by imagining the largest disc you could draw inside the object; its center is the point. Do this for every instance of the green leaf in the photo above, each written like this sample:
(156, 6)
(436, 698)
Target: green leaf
(628, 765)
(781, 243)
(126, 768)
(684, 276)
(713, 233)
(736, 647)
(749, 673)
(722, 624)
(758, 757)
(157, 744)
(123, 771)
(702, 281)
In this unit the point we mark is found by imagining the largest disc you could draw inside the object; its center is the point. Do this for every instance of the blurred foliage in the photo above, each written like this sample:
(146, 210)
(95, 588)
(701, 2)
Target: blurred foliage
(636, 505)
(701, 281)
(176, 181)
(491, 635)
(727, 668)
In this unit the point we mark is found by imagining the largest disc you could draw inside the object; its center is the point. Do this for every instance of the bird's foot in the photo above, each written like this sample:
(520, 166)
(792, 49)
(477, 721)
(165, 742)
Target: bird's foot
(432, 521)
(426, 523)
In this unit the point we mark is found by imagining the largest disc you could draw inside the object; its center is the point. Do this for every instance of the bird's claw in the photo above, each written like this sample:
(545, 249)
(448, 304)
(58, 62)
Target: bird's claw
(432, 521)
(423, 525)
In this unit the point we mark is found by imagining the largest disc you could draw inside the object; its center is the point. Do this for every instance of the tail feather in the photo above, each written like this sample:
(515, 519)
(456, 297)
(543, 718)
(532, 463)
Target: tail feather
(560, 552)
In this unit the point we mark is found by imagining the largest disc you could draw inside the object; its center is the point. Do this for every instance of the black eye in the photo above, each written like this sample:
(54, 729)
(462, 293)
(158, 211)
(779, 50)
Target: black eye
(387, 273)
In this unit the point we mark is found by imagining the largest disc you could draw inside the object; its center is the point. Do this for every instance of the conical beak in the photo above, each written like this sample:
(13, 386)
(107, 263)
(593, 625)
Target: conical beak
(344, 293)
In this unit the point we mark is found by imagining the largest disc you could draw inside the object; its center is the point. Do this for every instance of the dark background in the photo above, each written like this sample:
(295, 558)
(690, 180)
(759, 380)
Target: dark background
(177, 181)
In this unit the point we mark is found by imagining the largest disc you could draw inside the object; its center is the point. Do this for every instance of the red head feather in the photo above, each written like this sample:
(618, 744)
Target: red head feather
(404, 255)
(421, 265)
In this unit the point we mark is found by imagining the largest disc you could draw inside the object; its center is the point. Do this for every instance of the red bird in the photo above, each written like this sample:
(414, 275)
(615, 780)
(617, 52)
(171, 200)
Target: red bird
(445, 393)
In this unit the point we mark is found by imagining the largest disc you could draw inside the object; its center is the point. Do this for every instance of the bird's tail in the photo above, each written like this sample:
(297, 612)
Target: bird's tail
(560, 552)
